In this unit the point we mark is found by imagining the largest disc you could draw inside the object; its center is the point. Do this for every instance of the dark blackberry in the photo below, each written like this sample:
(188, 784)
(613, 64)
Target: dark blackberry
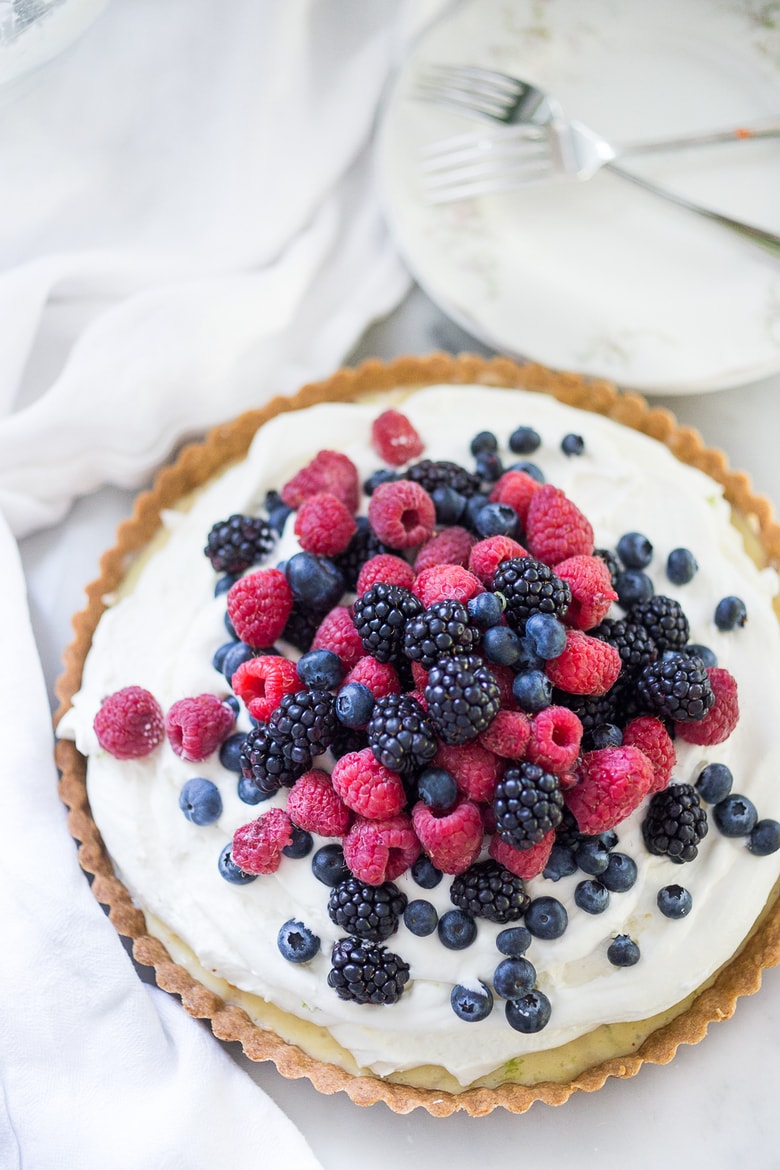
(529, 587)
(304, 724)
(432, 474)
(366, 972)
(238, 542)
(442, 628)
(611, 561)
(567, 833)
(302, 625)
(462, 696)
(664, 620)
(369, 912)
(528, 804)
(487, 890)
(264, 762)
(591, 710)
(676, 686)
(400, 734)
(632, 641)
(347, 739)
(364, 545)
(380, 615)
(675, 823)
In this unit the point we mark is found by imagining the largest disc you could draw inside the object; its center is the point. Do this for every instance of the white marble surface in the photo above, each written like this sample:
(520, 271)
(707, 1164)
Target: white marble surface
(715, 1105)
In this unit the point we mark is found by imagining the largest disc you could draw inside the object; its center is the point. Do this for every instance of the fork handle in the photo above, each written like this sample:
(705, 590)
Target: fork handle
(765, 239)
(767, 129)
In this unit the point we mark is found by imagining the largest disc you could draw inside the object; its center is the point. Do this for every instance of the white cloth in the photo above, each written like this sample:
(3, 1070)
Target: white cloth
(192, 181)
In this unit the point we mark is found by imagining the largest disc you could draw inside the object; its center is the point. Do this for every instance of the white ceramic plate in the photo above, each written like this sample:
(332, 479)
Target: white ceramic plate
(601, 277)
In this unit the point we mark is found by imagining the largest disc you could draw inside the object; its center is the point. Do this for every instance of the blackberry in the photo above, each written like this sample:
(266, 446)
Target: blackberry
(238, 542)
(530, 586)
(364, 545)
(567, 833)
(528, 804)
(676, 686)
(442, 628)
(369, 912)
(365, 972)
(432, 474)
(675, 823)
(302, 625)
(400, 734)
(304, 725)
(611, 561)
(664, 620)
(264, 762)
(462, 696)
(487, 890)
(591, 710)
(380, 615)
(631, 639)
(347, 739)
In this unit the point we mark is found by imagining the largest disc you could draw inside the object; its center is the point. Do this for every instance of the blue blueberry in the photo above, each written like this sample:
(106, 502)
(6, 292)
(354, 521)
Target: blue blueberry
(514, 941)
(530, 1013)
(496, 520)
(681, 566)
(301, 845)
(420, 917)
(735, 816)
(513, 977)
(474, 506)
(531, 469)
(714, 783)
(320, 670)
(232, 702)
(730, 612)
(489, 466)
(449, 504)
(485, 610)
(621, 873)
(277, 517)
(674, 901)
(354, 704)
(230, 871)
(633, 585)
(250, 793)
(708, 657)
(546, 634)
(471, 1005)
(529, 659)
(573, 445)
(236, 656)
(314, 581)
(224, 583)
(230, 752)
(500, 644)
(380, 476)
(524, 441)
(591, 856)
(231, 629)
(623, 951)
(437, 789)
(560, 863)
(484, 441)
(601, 736)
(425, 873)
(591, 896)
(457, 930)
(218, 657)
(328, 865)
(764, 837)
(533, 690)
(296, 942)
(635, 550)
(546, 918)
(272, 500)
(200, 801)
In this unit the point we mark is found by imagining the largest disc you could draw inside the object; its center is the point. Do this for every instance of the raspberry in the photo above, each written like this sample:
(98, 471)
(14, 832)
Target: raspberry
(402, 514)
(451, 841)
(507, 735)
(554, 743)
(524, 863)
(381, 678)
(329, 471)
(368, 787)
(516, 489)
(259, 605)
(337, 632)
(488, 890)
(488, 554)
(651, 737)
(505, 677)
(441, 582)
(380, 851)
(587, 666)
(555, 527)
(238, 542)
(130, 723)
(721, 719)
(611, 783)
(385, 567)
(394, 438)
(257, 847)
(591, 590)
(196, 727)
(451, 546)
(263, 682)
(476, 769)
(313, 804)
(324, 525)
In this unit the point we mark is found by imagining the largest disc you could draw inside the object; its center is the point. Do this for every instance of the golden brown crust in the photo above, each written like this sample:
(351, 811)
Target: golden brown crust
(197, 463)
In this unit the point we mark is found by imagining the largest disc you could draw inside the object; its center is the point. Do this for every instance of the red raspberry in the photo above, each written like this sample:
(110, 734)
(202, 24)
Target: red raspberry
(488, 554)
(451, 546)
(524, 863)
(380, 677)
(476, 769)
(505, 677)
(394, 438)
(196, 727)
(420, 697)
(611, 783)
(337, 632)
(651, 737)
(368, 787)
(556, 528)
(380, 851)
(130, 723)
(263, 682)
(257, 847)
(722, 717)
(420, 676)
(387, 568)
(402, 514)
(508, 734)
(515, 488)
(313, 804)
(452, 840)
(591, 590)
(329, 471)
(446, 581)
(259, 605)
(324, 525)
(586, 667)
(554, 743)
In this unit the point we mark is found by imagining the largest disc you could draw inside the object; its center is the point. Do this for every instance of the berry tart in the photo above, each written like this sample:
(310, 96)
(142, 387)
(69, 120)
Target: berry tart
(421, 733)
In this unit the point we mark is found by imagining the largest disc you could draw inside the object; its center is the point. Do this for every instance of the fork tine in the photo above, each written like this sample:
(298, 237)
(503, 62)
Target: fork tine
(488, 186)
(534, 166)
(489, 79)
(489, 138)
(490, 156)
(462, 101)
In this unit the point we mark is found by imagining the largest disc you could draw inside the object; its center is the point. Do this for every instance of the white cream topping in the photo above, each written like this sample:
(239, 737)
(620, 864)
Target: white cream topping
(163, 636)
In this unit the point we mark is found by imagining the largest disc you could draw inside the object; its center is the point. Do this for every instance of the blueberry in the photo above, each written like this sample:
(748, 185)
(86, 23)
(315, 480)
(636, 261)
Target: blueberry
(457, 930)
(714, 783)
(200, 801)
(301, 845)
(635, 550)
(764, 838)
(623, 951)
(484, 441)
(380, 476)
(573, 445)
(437, 789)
(272, 500)
(474, 506)
(471, 1005)
(314, 580)
(560, 863)
(218, 657)
(546, 634)
(224, 582)
(496, 520)
(529, 659)
(485, 610)
(320, 670)
(601, 736)
(420, 917)
(681, 566)
(230, 752)
(546, 918)
(296, 942)
(514, 941)
(533, 690)
(524, 441)
(621, 873)
(230, 871)
(730, 612)
(591, 896)
(531, 469)
(708, 657)
(328, 865)
(250, 793)
(735, 816)
(354, 704)
(530, 1013)
(232, 702)
(231, 629)
(674, 901)
(489, 466)
(513, 977)
(500, 644)
(236, 656)
(449, 504)
(591, 856)
(277, 517)
(631, 586)
(425, 873)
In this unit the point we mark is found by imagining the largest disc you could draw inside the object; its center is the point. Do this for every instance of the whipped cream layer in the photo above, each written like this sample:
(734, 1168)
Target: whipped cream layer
(162, 634)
